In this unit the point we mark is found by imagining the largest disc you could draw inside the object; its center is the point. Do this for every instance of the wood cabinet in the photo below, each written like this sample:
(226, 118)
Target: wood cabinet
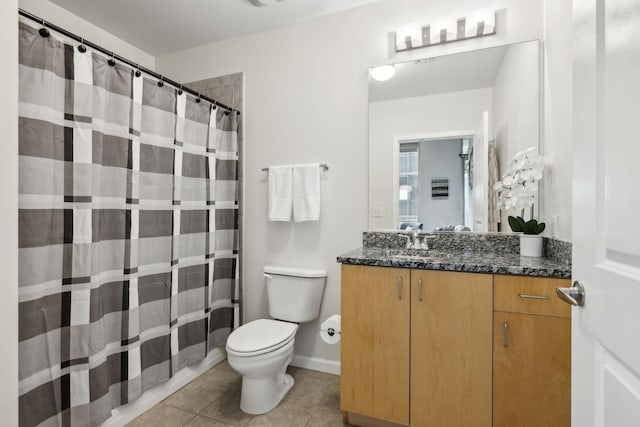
(416, 336)
(420, 348)
(375, 342)
(450, 349)
(531, 353)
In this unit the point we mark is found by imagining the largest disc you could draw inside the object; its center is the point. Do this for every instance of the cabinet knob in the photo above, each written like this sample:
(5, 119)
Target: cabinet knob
(420, 289)
(399, 287)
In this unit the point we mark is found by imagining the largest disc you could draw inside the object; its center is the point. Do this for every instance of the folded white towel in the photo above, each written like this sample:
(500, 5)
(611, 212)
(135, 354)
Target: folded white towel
(280, 193)
(306, 192)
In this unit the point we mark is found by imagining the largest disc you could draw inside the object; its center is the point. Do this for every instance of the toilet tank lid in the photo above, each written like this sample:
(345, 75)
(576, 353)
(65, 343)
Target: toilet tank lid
(294, 271)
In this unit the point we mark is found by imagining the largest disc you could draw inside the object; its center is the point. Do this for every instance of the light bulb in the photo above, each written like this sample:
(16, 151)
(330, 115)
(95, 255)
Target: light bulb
(412, 33)
(382, 73)
(485, 16)
(447, 25)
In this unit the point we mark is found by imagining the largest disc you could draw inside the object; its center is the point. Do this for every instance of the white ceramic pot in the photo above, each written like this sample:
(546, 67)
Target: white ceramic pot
(531, 245)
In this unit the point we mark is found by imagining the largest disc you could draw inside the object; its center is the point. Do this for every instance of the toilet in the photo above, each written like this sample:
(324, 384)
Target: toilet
(261, 350)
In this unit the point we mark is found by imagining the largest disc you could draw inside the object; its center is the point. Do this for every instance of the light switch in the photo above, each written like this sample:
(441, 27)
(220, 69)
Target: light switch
(377, 211)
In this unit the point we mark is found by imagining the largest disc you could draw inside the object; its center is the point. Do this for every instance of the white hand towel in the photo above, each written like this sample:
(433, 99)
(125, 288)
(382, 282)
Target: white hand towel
(280, 193)
(306, 192)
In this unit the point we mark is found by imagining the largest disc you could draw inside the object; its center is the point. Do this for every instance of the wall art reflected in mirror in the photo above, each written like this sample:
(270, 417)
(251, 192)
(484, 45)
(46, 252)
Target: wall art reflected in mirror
(441, 130)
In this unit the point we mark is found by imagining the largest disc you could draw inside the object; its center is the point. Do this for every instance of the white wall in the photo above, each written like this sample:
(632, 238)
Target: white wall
(419, 116)
(440, 160)
(65, 19)
(516, 94)
(557, 137)
(9, 212)
(306, 100)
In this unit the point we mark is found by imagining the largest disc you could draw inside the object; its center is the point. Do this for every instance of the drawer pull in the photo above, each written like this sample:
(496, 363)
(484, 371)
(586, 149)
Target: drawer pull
(533, 296)
(505, 337)
(420, 289)
(399, 287)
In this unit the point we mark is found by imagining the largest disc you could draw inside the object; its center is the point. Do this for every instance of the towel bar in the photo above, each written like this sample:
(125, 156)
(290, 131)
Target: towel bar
(323, 166)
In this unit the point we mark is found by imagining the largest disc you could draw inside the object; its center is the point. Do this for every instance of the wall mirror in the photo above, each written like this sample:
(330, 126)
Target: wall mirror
(442, 128)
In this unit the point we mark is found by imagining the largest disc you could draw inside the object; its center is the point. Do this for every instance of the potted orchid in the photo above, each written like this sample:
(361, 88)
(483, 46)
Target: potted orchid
(517, 191)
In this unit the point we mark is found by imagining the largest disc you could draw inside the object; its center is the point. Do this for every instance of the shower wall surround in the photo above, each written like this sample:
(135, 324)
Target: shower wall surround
(128, 226)
(229, 89)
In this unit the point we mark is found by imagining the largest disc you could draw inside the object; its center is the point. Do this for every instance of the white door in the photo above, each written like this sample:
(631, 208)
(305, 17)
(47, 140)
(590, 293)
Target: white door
(480, 179)
(606, 210)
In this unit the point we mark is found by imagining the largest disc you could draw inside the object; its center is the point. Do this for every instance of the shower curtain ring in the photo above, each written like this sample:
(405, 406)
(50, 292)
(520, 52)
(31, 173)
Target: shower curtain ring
(198, 98)
(180, 91)
(112, 60)
(138, 72)
(214, 105)
(161, 82)
(81, 47)
(44, 32)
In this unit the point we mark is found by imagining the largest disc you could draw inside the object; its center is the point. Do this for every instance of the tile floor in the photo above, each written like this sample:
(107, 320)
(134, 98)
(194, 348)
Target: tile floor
(213, 399)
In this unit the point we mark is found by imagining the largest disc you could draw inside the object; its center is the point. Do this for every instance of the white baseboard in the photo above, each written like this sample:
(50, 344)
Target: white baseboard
(126, 413)
(316, 364)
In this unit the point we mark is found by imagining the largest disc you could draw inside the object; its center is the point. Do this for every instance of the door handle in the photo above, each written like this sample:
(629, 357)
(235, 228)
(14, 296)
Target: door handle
(420, 289)
(574, 295)
(399, 287)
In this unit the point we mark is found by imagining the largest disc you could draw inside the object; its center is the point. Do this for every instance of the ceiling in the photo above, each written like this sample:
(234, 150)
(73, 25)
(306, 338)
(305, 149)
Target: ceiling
(163, 26)
(463, 71)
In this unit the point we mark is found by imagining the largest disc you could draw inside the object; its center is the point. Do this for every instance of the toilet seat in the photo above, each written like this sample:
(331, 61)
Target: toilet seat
(260, 336)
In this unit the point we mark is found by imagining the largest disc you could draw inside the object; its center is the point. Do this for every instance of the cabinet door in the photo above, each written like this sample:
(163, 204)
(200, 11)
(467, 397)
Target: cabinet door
(451, 349)
(531, 370)
(375, 342)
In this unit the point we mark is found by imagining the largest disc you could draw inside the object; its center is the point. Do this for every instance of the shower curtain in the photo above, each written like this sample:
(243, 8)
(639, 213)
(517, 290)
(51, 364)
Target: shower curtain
(128, 228)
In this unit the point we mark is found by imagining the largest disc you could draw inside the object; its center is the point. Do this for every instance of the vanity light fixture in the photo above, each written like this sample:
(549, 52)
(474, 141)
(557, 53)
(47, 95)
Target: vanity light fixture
(382, 73)
(264, 2)
(444, 29)
(479, 23)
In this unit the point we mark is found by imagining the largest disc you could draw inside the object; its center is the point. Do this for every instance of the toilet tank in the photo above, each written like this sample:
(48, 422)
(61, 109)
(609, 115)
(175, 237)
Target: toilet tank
(294, 293)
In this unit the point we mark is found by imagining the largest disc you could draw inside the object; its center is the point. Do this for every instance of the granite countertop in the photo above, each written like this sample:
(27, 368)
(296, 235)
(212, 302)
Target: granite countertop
(463, 261)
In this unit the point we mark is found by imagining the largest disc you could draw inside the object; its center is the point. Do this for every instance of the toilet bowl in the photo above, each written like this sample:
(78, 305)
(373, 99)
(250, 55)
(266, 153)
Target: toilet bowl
(260, 351)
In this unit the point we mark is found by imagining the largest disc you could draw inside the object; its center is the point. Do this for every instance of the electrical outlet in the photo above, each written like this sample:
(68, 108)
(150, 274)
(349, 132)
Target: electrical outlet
(377, 211)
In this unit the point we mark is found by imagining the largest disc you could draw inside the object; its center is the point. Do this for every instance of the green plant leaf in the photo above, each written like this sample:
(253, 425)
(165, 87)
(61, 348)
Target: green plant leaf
(533, 227)
(514, 224)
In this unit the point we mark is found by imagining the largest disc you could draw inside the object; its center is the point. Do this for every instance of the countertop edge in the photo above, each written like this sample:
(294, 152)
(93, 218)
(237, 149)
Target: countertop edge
(560, 271)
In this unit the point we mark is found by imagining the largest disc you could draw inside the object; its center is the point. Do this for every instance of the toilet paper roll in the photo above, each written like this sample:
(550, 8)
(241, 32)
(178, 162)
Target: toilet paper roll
(330, 329)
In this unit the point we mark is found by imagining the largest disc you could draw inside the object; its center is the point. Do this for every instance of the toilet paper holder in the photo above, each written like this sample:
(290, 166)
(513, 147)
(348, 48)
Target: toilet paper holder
(330, 331)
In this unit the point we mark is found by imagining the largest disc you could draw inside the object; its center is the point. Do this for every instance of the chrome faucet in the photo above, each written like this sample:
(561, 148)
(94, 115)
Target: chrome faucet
(417, 240)
(417, 243)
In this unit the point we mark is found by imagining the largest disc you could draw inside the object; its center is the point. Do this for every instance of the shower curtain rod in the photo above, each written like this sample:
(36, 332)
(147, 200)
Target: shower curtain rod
(94, 46)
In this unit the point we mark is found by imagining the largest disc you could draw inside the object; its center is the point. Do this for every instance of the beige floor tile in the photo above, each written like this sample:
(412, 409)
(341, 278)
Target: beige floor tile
(200, 421)
(313, 401)
(284, 415)
(322, 418)
(162, 416)
(314, 389)
(193, 397)
(330, 401)
(222, 373)
(226, 407)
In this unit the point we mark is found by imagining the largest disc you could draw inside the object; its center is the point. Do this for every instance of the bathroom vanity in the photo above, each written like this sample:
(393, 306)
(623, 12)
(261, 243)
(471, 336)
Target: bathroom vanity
(467, 334)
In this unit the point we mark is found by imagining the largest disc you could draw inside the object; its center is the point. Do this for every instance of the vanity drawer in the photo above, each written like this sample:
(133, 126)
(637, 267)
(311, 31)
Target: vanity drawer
(530, 295)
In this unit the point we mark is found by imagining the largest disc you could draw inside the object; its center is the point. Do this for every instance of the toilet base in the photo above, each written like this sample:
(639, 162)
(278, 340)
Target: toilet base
(261, 395)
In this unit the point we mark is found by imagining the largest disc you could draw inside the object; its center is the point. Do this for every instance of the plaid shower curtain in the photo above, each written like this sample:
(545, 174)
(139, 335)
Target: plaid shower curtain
(128, 232)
